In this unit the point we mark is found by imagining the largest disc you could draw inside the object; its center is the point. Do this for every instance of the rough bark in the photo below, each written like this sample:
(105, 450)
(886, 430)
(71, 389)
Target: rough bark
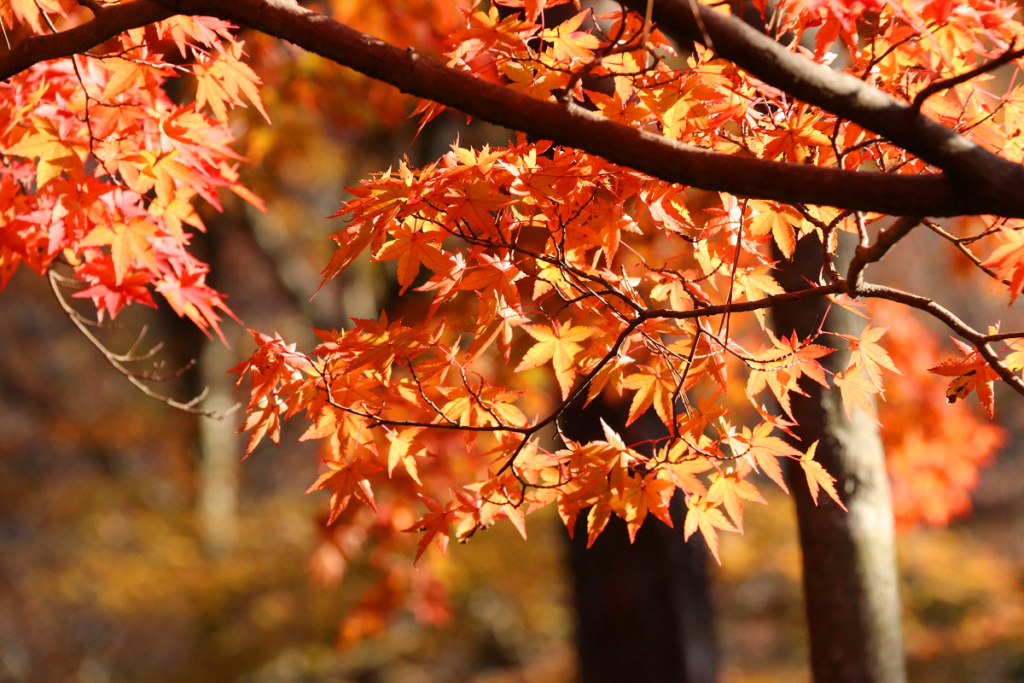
(984, 182)
(644, 609)
(849, 562)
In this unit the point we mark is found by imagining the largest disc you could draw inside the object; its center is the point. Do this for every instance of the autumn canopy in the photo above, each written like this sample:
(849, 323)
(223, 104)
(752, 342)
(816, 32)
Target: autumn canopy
(670, 159)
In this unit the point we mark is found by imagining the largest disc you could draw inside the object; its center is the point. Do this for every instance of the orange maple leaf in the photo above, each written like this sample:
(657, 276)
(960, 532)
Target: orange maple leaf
(818, 477)
(731, 490)
(866, 352)
(705, 516)
(347, 480)
(1008, 261)
(414, 244)
(857, 388)
(970, 372)
(404, 449)
(642, 495)
(222, 79)
(57, 150)
(559, 344)
(435, 525)
(778, 220)
(129, 241)
(656, 386)
(758, 449)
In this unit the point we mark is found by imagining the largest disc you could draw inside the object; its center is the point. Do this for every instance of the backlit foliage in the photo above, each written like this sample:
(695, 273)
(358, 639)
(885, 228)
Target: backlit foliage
(536, 276)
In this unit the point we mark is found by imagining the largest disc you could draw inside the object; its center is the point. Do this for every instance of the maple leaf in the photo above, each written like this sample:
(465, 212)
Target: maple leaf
(272, 363)
(705, 516)
(190, 296)
(758, 449)
(559, 344)
(347, 480)
(730, 490)
(566, 44)
(778, 220)
(1008, 261)
(413, 245)
(597, 520)
(817, 477)
(109, 293)
(130, 241)
(378, 343)
(613, 458)
(264, 420)
(435, 525)
(165, 172)
(656, 387)
(780, 369)
(857, 388)
(970, 372)
(866, 353)
(610, 373)
(29, 12)
(679, 110)
(757, 284)
(56, 148)
(129, 74)
(683, 468)
(643, 495)
(188, 31)
(796, 137)
(404, 449)
(223, 78)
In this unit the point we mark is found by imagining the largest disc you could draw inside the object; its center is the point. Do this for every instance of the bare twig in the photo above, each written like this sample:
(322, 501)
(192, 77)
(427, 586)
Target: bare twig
(867, 254)
(118, 360)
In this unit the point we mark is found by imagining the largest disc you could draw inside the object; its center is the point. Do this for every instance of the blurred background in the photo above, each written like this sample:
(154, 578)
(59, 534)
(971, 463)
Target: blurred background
(135, 546)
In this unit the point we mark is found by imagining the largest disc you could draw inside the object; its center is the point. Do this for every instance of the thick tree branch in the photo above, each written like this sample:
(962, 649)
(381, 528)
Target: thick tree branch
(654, 154)
(109, 22)
(932, 195)
(836, 92)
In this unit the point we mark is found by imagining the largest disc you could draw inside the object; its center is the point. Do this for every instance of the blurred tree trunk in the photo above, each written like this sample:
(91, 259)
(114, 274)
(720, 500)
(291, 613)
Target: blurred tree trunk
(219, 452)
(644, 610)
(849, 559)
(218, 449)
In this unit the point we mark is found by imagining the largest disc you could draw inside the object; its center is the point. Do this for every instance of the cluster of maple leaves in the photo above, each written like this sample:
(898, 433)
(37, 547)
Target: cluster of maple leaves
(101, 167)
(523, 261)
(539, 256)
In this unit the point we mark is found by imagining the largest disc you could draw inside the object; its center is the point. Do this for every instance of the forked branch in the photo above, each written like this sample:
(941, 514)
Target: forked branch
(119, 360)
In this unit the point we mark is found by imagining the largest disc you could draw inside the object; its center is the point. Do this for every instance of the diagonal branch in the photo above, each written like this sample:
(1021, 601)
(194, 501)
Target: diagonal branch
(982, 342)
(118, 360)
(655, 155)
(111, 21)
(836, 92)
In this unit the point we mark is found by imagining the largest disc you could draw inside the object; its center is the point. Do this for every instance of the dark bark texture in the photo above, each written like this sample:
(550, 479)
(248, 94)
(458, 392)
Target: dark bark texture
(645, 612)
(849, 559)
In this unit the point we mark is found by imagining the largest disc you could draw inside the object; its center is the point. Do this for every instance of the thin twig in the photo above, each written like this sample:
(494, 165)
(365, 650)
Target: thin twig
(117, 360)
(938, 86)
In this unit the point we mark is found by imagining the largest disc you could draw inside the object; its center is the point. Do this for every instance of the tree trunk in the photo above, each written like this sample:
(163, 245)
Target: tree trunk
(644, 610)
(219, 453)
(849, 559)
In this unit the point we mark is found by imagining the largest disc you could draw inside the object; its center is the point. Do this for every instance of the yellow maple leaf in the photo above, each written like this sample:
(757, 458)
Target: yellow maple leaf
(558, 344)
